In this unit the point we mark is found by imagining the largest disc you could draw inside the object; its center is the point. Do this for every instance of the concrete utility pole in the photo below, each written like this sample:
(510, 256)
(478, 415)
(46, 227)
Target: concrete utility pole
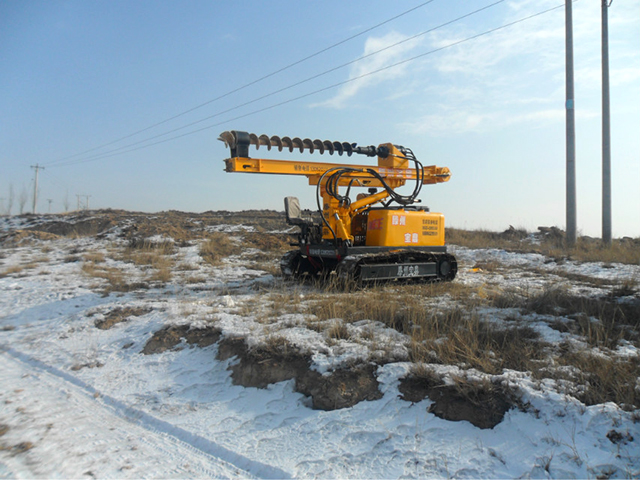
(86, 201)
(35, 186)
(606, 128)
(571, 129)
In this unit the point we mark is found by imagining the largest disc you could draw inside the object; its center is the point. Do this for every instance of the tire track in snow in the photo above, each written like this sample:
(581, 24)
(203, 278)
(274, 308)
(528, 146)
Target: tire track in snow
(176, 436)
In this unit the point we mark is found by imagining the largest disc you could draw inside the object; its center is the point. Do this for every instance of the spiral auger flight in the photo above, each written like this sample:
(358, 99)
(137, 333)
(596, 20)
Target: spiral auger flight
(235, 140)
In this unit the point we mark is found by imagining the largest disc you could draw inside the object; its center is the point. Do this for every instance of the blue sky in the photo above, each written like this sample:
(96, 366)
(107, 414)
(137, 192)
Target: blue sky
(79, 74)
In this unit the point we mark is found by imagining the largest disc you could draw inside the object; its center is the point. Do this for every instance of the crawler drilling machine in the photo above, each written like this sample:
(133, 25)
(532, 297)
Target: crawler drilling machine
(380, 235)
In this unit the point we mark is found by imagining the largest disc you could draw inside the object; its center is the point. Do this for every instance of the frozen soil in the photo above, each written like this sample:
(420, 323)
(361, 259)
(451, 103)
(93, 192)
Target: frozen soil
(168, 358)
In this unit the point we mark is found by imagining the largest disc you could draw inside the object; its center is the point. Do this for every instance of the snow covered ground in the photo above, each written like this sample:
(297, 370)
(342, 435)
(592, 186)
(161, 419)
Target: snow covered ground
(77, 401)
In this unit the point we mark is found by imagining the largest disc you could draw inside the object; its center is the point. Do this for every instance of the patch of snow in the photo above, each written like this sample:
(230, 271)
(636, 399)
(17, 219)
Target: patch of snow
(229, 228)
(88, 402)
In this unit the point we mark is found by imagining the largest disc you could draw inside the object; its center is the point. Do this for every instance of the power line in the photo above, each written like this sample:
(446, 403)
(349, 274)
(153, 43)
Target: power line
(308, 79)
(430, 52)
(287, 67)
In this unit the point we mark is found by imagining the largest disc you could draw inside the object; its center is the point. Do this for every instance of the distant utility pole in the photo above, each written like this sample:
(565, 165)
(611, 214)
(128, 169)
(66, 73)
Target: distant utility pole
(86, 201)
(571, 129)
(35, 186)
(50, 202)
(606, 128)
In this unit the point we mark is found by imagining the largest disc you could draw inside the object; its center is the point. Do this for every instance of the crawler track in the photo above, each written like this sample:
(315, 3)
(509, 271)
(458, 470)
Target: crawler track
(404, 266)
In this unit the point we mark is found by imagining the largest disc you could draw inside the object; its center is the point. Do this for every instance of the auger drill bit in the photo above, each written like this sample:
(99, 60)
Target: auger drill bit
(239, 142)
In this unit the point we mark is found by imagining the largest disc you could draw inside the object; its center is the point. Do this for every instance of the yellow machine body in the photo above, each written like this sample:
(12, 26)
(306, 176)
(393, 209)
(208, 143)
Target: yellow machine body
(378, 236)
(394, 168)
(404, 228)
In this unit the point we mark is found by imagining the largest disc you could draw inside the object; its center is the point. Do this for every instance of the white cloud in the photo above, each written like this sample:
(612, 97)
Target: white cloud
(454, 122)
(374, 61)
(511, 76)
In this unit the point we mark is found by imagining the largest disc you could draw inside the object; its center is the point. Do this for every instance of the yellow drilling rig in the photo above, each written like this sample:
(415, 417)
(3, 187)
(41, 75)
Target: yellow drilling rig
(380, 235)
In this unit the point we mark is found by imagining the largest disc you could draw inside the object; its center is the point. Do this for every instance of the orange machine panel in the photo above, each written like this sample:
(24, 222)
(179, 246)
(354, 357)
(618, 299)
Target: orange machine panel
(404, 228)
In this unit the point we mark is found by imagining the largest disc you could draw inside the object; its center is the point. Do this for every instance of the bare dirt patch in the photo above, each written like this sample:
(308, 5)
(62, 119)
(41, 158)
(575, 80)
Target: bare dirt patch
(79, 227)
(80, 366)
(483, 405)
(342, 388)
(259, 367)
(19, 448)
(171, 336)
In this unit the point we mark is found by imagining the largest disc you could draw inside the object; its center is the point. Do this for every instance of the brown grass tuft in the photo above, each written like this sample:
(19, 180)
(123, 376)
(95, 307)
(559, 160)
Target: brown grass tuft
(115, 277)
(551, 243)
(95, 257)
(217, 247)
(597, 379)
(11, 270)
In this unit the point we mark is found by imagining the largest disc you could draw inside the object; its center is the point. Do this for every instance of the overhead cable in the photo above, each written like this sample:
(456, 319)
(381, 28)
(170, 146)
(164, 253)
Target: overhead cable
(208, 102)
(275, 92)
(284, 102)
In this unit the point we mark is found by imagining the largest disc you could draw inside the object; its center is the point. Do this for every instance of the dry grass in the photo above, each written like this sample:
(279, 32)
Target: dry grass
(219, 246)
(484, 238)
(145, 253)
(267, 242)
(601, 321)
(11, 270)
(116, 278)
(552, 245)
(597, 379)
(459, 336)
(278, 345)
(193, 279)
(270, 267)
(469, 336)
(446, 323)
(164, 247)
(338, 331)
(162, 274)
(284, 300)
(95, 257)
(186, 267)
(156, 256)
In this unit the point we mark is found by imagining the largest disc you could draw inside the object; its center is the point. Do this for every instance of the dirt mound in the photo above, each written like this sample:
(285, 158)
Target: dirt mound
(483, 404)
(78, 228)
(18, 237)
(262, 366)
(513, 233)
(169, 337)
(342, 388)
(553, 233)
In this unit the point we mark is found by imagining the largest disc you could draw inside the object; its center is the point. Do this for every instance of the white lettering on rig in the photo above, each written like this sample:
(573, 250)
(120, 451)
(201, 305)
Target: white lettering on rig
(408, 271)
